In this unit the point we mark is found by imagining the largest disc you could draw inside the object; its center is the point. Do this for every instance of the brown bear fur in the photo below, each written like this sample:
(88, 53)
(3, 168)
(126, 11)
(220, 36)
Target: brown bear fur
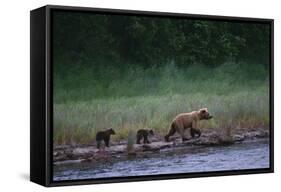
(188, 120)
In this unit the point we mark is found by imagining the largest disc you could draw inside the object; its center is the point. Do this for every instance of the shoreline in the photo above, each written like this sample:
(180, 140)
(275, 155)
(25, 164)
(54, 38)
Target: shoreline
(69, 154)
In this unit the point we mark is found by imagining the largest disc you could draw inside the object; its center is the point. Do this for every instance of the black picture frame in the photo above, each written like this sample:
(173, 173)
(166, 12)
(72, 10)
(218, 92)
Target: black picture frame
(41, 100)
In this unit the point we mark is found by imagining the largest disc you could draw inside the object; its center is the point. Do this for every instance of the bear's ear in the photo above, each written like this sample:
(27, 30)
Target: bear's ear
(204, 110)
(112, 131)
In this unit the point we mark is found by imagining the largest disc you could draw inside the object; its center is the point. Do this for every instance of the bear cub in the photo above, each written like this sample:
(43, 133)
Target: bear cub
(143, 134)
(104, 136)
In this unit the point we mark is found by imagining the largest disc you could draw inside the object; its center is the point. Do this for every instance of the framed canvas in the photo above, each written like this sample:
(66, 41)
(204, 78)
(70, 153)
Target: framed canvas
(123, 95)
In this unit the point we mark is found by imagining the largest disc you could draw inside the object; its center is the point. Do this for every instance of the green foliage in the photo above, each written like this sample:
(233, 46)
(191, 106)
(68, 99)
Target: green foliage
(142, 98)
(85, 83)
(95, 38)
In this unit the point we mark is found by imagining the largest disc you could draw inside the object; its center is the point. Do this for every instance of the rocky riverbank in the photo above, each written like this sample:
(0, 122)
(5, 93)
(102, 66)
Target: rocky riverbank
(65, 154)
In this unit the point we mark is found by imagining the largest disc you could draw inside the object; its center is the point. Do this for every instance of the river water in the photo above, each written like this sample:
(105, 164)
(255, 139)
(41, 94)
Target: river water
(246, 155)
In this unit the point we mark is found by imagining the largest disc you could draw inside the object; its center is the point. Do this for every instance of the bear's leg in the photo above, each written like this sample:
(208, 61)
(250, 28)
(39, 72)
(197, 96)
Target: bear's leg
(106, 141)
(182, 135)
(180, 130)
(172, 131)
(139, 137)
(98, 144)
(198, 132)
(194, 132)
(145, 140)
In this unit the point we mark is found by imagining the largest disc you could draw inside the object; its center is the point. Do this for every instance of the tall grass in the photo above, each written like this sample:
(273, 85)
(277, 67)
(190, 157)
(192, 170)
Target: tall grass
(129, 99)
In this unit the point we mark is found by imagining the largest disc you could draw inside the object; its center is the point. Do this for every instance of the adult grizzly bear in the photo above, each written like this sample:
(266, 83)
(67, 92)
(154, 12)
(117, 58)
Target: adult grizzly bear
(104, 136)
(188, 120)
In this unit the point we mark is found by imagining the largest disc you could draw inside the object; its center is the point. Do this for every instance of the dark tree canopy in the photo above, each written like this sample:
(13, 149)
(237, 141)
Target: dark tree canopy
(95, 38)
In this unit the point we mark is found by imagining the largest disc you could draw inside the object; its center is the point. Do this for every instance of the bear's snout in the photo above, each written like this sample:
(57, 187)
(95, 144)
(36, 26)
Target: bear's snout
(208, 116)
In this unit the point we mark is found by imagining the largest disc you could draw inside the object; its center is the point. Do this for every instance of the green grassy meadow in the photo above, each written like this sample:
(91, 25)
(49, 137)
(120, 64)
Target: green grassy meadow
(129, 97)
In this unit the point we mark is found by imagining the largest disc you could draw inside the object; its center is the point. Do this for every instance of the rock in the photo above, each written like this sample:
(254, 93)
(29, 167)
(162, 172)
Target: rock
(238, 138)
(117, 149)
(88, 160)
(147, 147)
(81, 150)
(132, 153)
(67, 162)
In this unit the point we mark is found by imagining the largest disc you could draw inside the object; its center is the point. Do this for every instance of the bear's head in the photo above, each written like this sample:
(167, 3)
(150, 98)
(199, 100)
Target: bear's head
(204, 114)
(111, 131)
(151, 132)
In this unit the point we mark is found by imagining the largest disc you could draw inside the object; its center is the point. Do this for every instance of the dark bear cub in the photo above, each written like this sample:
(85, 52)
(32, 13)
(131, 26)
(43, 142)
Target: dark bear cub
(104, 136)
(143, 134)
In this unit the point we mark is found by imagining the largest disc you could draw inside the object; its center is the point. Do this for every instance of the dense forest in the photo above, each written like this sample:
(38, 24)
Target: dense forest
(95, 38)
